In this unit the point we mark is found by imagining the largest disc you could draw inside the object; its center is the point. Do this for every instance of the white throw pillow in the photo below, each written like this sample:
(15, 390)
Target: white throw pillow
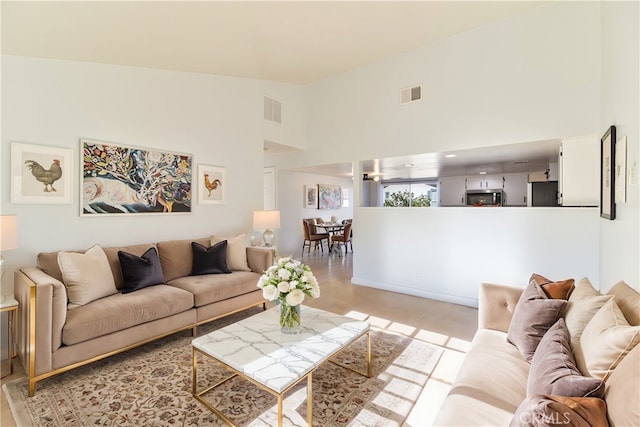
(579, 313)
(236, 251)
(86, 276)
(605, 341)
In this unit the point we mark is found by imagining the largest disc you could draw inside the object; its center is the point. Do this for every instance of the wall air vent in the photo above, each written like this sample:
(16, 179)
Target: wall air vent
(410, 94)
(272, 110)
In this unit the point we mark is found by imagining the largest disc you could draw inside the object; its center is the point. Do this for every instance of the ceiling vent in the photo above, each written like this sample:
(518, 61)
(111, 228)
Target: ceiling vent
(272, 110)
(410, 94)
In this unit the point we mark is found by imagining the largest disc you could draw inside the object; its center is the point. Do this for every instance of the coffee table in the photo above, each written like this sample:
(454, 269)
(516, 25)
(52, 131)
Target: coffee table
(255, 349)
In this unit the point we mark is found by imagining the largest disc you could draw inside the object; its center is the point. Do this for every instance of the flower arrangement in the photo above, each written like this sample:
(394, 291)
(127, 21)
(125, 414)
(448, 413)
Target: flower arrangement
(288, 282)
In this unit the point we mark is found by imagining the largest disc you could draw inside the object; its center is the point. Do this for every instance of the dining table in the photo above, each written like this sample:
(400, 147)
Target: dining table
(331, 228)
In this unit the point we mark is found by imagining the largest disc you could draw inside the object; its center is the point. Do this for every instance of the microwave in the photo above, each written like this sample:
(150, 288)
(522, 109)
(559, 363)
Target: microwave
(484, 198)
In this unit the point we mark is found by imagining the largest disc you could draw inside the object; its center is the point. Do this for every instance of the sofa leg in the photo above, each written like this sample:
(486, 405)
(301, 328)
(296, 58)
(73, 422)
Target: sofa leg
(194, 331)
(32, 387)
(264, 306)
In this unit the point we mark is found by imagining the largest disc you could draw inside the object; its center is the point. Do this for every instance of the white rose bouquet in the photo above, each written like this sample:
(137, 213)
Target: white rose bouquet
(288, 282)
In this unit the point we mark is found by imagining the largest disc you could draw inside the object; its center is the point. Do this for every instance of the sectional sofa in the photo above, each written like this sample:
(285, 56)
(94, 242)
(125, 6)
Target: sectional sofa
(79, 307)
(580, 366)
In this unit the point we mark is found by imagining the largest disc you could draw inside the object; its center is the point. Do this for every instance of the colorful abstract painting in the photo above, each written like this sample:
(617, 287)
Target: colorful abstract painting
(118, 179)
(329, 196)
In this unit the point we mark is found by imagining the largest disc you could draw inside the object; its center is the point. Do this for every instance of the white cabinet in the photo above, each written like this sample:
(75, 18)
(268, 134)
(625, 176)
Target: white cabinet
(452, 191)
(579, 172)
(485, 182)
(515, 189)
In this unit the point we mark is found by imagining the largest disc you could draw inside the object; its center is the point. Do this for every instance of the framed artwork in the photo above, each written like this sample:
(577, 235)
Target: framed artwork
(329, 196)
(212, 184)
(123, 180)
(620, 176)
(607, 174)
(311, 196)
(41, 174)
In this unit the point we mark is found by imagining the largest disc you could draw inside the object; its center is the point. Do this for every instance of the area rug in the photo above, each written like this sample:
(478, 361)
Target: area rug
(151, 386)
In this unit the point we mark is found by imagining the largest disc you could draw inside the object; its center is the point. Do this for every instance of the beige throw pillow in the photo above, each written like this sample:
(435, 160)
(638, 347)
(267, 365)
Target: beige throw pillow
(579, 313)
(87, 276)
(605, 341)
(584, 289)
(236, 251)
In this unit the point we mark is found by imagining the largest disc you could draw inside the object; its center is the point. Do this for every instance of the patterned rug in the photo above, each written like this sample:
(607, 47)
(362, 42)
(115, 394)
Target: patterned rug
(151, 386)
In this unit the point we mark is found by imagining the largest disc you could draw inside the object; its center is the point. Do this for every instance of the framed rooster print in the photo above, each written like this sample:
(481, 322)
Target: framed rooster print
(124, 180)
(41, 174)
(212, 185)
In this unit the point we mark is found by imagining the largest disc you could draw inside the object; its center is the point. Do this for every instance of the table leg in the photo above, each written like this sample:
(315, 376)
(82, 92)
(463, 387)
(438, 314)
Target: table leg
(309, 400)
(280, 410)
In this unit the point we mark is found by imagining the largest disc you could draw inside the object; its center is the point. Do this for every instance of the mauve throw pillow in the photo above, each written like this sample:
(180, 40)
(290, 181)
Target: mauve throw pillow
(537, 411)
(211, 260)
(140, 271)
(553, 368)
(533, 316)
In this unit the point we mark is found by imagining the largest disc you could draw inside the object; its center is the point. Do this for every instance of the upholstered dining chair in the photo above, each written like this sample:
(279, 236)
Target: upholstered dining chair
(312, 237)
(343, 239)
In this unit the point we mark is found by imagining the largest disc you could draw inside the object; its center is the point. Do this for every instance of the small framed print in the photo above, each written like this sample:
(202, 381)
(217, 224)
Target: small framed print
(607, 174)
(41, 174)
(311, 196)
(212, 184)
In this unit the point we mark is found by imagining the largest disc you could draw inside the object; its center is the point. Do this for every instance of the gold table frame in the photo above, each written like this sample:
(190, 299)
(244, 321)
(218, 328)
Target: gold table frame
(280, 395)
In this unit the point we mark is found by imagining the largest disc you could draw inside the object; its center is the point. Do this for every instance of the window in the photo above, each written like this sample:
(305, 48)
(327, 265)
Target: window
(411, 194)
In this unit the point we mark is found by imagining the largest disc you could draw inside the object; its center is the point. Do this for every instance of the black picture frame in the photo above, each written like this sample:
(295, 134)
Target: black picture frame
(607, 174)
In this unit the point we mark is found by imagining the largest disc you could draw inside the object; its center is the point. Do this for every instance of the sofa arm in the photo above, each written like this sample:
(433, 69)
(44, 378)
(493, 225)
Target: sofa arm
(43, 313)
(496, 304)
(259, 258)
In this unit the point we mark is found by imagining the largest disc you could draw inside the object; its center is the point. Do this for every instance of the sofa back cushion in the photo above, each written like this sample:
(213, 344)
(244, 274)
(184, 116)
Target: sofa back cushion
(628, 301)
(176, 257)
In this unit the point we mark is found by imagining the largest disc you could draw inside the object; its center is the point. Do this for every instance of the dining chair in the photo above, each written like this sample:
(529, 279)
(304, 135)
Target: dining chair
(342, 239)
(312, 237)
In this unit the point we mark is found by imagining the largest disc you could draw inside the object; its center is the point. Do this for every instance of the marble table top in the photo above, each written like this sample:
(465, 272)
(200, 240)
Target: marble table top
(256, 348)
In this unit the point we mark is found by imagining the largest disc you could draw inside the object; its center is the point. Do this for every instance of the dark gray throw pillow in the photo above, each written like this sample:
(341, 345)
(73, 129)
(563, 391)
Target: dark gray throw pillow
(211, 260)
(553, 368)
(140, 271)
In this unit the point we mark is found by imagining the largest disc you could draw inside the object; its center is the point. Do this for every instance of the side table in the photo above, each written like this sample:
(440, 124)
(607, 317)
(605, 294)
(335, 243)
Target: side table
(10, 306)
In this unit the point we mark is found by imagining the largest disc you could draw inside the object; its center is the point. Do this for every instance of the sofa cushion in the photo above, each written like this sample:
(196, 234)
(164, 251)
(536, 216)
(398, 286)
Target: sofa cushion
(544, 410)
(209, 260)
(533, 316)
(555, 290)
(622, 389)
(86, 276)
(210, 288)
(579, 313)
(236, 251)
(176, 257)
(121, 311)
(605, 341)
(481, 396)
(554, 371)
(584, 289)
(140, 271)
(628, 301)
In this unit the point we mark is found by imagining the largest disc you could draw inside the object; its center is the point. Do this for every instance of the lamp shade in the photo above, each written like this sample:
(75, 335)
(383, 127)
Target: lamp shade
(264, 220)
(8, 232)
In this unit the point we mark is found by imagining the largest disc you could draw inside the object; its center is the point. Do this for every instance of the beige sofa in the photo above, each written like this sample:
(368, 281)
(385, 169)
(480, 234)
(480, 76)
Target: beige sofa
(54, 338)
(493, 378)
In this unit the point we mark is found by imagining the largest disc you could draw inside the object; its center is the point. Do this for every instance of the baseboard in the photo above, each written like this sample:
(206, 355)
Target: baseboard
(469, 302)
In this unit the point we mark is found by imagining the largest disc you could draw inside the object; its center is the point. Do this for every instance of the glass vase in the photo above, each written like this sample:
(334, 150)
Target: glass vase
(290, 318)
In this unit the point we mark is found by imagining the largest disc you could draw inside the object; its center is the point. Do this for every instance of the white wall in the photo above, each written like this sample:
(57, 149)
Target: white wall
(531, 77)
(620, 238)
(444, 253)
(219, 120)
(292, 210)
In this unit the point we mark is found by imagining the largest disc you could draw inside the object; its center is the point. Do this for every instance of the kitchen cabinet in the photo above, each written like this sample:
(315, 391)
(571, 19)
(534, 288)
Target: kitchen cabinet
(485, 182)
(515, 189)
(452, 191)
(579, 172)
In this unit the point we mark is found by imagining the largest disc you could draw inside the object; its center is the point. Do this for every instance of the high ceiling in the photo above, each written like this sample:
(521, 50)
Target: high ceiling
(289, 41)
